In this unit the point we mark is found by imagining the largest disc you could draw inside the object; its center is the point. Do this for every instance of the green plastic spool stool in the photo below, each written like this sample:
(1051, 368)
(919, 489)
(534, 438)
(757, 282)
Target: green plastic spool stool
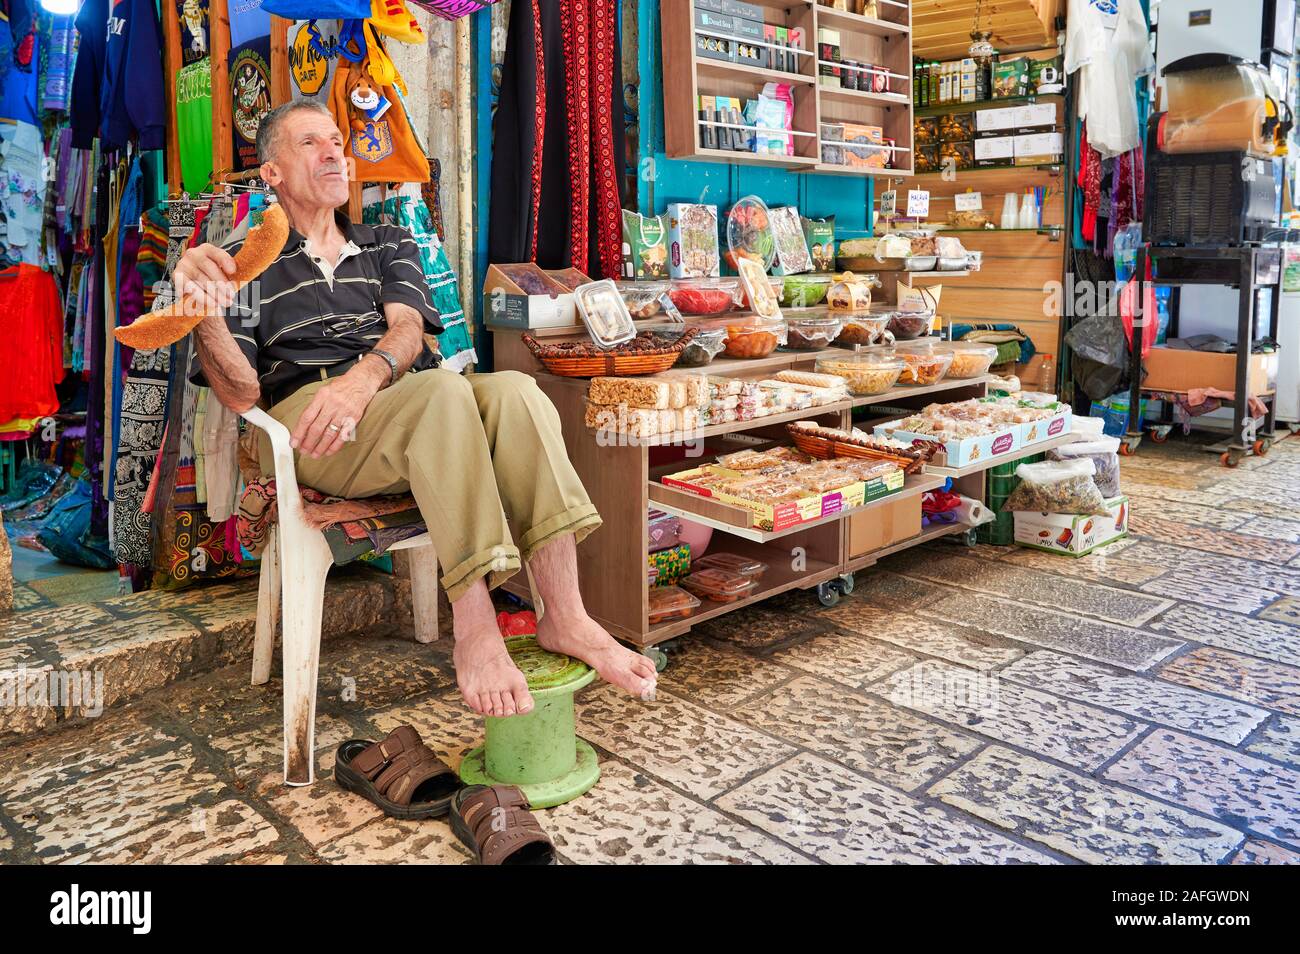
(540, 751)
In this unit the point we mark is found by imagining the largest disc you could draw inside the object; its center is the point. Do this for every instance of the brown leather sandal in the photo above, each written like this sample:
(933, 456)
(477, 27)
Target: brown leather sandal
(496, 825)
(400, 774)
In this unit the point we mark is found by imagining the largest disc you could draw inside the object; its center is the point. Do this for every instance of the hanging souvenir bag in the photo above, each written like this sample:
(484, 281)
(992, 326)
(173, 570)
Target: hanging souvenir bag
(318, 9)
(373, 119)
(392, 18)
(454, 9)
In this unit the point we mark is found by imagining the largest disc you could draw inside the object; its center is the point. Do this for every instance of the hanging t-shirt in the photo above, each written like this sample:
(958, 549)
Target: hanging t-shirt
(250, 95)
(313, 58)
(132, 101)
(193, 16)
(194, 124)
(1107, 45)
(248, 21)
(17, 85)
(88, 74)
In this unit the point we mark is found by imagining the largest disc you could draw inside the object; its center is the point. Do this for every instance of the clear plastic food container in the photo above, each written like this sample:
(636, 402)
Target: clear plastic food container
(644, 299)
(721, 586)
(749, 232)
(604, 314)
(906, 325)
(923, 362)
(776, 282)
(752, 336)
(703, 348)
(812, 331)
(969, 358)
(871, 371)
(805, 291)
(704, 296)
(731, 563)
(670, 602)
(862, 330)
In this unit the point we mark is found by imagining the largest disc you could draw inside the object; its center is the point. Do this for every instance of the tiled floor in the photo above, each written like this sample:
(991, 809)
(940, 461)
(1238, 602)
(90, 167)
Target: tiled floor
(998, 705)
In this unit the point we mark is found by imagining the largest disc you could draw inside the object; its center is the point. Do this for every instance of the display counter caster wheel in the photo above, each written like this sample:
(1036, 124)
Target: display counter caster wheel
(1230, 458)
(845, 584)
(1159, 434)
(1262, 446)
(828, 593)
(1129, 444)
(657, 656)
(969, 538)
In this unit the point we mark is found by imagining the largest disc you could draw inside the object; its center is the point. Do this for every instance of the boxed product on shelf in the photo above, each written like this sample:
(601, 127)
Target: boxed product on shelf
(1011, 78)
(524, 296)
(713, 47)
(1036, 149)
(645, 245)
(819, 234)
(956, 127)
(693, 241)
(1035, 117)
(1003, 121)
(720, 23)
(869, 152)
(670, 563)
(1033, 432)
(1072, 534)
(663, 530)
(783, 514)
(828, 57)
(958, 452)
(832, 133)
(995, 151)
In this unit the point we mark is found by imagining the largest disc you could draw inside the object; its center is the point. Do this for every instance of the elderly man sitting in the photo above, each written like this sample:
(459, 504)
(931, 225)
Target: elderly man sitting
(335, 346)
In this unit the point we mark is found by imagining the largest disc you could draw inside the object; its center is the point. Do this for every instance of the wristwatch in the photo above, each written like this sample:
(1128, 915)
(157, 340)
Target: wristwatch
(392, 362)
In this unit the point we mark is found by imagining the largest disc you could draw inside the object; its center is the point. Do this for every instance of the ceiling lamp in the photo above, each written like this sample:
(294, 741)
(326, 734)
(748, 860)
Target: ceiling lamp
(61, 7)
(981, 48)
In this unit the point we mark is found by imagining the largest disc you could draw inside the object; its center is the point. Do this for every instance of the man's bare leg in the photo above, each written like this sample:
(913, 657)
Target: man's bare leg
(488, 679)
(566, 628)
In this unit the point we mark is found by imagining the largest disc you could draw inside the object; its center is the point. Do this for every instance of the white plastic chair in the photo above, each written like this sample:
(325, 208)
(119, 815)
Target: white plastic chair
(294, 566)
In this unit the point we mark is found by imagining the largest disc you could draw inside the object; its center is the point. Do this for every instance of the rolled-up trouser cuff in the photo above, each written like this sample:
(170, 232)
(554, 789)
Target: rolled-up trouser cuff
(579, 521)
(498, 563)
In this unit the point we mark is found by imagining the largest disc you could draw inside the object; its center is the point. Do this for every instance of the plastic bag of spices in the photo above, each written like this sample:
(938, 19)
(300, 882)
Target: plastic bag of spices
(1104, 454)
(1057, 486)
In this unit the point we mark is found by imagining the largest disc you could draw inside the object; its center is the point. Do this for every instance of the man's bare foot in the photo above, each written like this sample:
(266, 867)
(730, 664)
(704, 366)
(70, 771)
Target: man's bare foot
(583, 638)
(488, 678)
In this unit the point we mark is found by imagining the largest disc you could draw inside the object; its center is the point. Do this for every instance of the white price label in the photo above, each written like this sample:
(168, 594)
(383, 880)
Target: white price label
(918, 203)
(969, 201)
(888, 202)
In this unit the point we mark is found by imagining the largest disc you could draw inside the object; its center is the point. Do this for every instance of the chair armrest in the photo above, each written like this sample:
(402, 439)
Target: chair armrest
(288, 495)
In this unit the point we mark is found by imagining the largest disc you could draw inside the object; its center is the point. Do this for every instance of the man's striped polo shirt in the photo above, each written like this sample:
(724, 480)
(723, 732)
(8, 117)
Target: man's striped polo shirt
(303, 323)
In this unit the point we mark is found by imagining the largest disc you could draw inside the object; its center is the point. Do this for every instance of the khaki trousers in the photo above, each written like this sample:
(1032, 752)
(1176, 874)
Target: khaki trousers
(479, 452)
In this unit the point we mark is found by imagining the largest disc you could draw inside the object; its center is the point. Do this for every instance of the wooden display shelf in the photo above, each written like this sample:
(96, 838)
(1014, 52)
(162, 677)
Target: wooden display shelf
(883, 42)
(864, 560)
(862, 24)
(623, 483)
(735, 520)
(943, 109)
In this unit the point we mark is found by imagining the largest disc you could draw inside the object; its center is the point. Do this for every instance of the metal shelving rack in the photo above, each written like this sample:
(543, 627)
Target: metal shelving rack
(1248, 268)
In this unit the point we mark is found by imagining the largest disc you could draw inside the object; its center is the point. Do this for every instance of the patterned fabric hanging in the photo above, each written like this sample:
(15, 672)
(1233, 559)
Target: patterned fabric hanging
(405, 207)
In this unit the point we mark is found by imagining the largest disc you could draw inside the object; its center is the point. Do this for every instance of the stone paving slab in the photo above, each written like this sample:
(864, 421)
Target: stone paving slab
(1110, 564)
(720, 678)
(845, 658)
(389, 841)
(1059, 728)
(320, 812)
(1263, 853)
(1093, 639)
(875, 738)
(1257, 681)
(629, 818)
(1266, 639)
(224, 832)
(1239, 789)
(1197, 585)
(1080, 816)
(1278, 740)
(842, 818)
(1137, 696)
(1140, 505)
(1285, 610)
(698, 751)
(1014, 582)
(921, 634)
(100, 809)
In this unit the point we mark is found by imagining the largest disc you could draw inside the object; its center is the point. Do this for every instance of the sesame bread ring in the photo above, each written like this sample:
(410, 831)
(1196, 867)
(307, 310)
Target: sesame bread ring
(160, 328)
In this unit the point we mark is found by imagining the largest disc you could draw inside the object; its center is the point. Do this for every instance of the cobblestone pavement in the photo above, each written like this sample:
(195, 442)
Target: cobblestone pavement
(992, 705)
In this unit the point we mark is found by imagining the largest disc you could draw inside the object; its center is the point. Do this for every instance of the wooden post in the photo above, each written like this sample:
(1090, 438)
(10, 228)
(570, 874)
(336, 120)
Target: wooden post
(219, 47)
(172, 65)
(280, 91)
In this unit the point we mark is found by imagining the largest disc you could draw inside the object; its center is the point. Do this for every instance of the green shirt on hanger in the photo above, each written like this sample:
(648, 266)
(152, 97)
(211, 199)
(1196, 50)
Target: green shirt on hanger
(194, 124)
